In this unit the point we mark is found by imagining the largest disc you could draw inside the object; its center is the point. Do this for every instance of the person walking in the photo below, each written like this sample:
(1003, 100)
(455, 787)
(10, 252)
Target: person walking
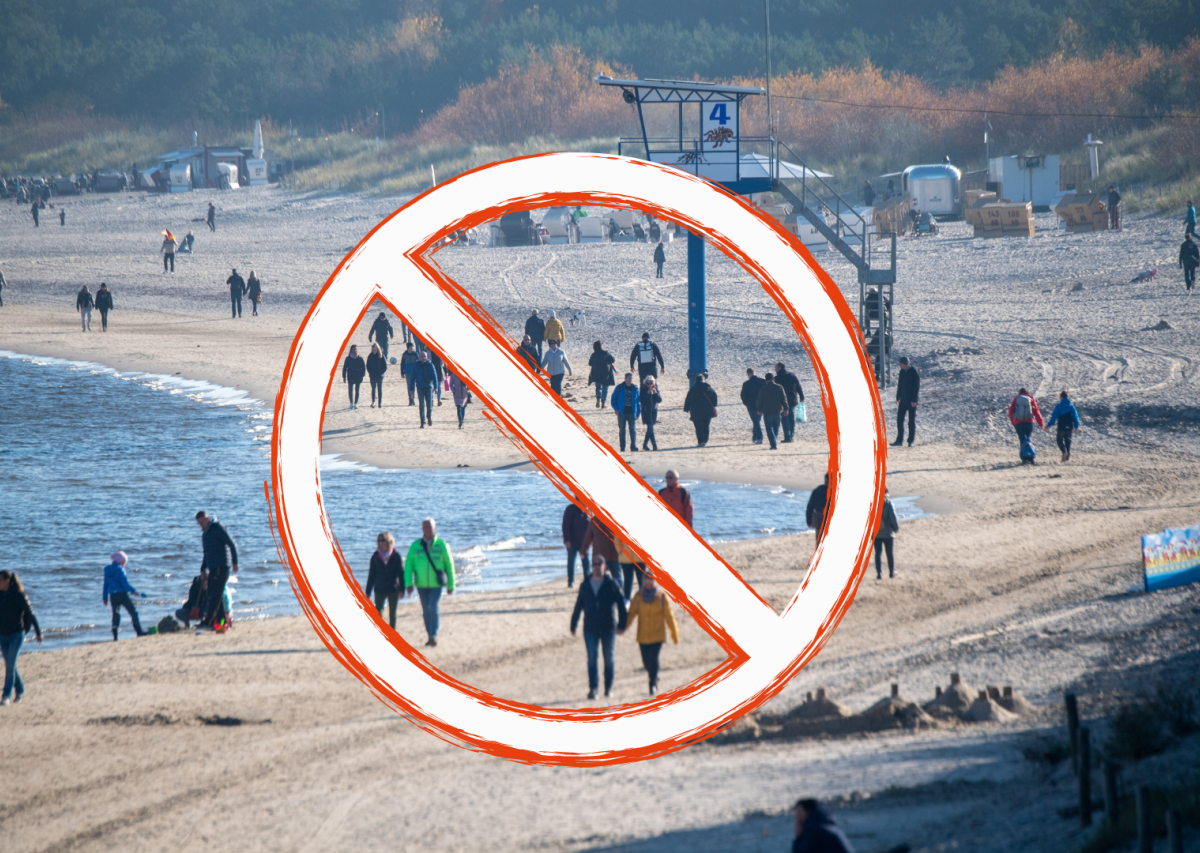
(701, 403)
(772, 403)
(376, 367)
(440, 370)
(1067, 417)
(575, 524)
(462, 397)
(601, 373)
(16, 618)
(62, 216)
(409, 359)
(386, 576)
(597, 597)
(212, 218)
(34, 210)
(650, 400)
(750, 390)
(648, 358)
(889, 526)
(660, 258)
(814, 513)
(555, 331)
(220, 552)
(599, 543)
(1189, 220)
(381, 333)
(535, 329)
(353, 371)
(657, 618)
(425, 379)
(429, 569)
(1189, 259)
(254, 292)
(626, 402)
(85, 303)
(908, 393)
(817, 831)
(1114, 209)
(2, 284)
(790, 383)
(168, 251)
(556, 364)
(237, 288)
(676, 497)
(118, 588)
(868, 194)
(104, 304)
(528, 351)
(1022, 412)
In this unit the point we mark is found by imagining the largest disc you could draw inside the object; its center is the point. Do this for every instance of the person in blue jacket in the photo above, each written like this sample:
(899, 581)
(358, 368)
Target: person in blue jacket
(425, 378)
(117, 588)
(626, 403)
(1067, 418)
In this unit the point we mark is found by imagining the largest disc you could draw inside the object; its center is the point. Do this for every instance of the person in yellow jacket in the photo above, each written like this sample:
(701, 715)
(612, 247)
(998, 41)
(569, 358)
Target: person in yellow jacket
(428, 568)
(554, 329)
(654, 608)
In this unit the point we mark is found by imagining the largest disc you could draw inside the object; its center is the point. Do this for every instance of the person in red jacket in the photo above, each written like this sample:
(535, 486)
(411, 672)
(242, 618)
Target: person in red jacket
(677, 497)
(1023, 411)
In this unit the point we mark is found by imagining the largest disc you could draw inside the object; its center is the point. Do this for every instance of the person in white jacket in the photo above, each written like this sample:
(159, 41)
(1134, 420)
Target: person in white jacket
(555, 363)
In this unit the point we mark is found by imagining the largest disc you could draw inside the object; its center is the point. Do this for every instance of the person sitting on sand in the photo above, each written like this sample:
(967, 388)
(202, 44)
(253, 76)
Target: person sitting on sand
(817, 831)
(117, 588)
(654, 608)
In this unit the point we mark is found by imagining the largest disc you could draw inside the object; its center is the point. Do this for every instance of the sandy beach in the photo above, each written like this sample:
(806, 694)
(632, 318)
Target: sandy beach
(1022, 578)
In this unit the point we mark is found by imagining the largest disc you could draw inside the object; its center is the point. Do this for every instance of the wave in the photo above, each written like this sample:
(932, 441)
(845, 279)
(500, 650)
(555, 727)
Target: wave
(505, 544)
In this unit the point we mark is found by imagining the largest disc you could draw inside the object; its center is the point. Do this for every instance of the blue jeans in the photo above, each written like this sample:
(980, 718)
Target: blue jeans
(593, 642)
(584, 561)
(789, 423)
(771, 422)
(430, 596)
(627, 419)
(602, 394)
(10, 646)
(411, 379)
(756, 420)
(425, 402)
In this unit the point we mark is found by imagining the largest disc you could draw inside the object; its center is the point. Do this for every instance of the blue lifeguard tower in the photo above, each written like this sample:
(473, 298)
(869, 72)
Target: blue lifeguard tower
(746, 165)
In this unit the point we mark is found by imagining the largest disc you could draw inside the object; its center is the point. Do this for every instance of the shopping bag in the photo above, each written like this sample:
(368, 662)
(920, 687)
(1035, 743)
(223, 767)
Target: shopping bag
(801, 414)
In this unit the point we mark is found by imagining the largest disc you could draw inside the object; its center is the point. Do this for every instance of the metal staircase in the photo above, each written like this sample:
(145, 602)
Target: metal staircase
(853, 236)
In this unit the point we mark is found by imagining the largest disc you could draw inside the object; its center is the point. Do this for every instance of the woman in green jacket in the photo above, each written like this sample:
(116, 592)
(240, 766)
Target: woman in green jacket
(427, 569)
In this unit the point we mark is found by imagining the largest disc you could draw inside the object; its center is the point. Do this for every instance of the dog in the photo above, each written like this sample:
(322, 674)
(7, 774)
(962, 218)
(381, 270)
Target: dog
(1144, 275)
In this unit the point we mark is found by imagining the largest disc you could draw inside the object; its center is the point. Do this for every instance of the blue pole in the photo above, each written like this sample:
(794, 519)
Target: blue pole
(697, 324)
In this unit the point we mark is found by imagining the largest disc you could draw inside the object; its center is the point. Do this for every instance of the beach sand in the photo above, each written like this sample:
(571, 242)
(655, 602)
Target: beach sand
(1020, 579)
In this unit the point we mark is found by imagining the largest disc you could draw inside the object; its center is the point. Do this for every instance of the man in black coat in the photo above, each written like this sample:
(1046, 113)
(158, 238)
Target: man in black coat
(381, 332)
(237, 288)
(790, 384)
(575, 523)
(817, 831)
(814, 513)
(1189, 259)
(701, 404)
(908, 392)
(772, 403)
(750, 389)
(598, 595)
(535, 327)
(219, 552)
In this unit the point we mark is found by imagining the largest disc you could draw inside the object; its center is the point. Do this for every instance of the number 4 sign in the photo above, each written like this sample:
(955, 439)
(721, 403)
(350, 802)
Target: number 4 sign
(719, 128)
(764, 648)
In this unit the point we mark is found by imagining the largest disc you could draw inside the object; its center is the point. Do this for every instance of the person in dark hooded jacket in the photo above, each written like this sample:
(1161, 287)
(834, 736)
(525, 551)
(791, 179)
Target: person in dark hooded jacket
(353, 371)
(701, 404)
(385, 577)
(817, 831)
(575, 524)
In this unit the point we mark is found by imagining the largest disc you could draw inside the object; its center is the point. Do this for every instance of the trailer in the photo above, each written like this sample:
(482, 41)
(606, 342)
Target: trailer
(934, 189)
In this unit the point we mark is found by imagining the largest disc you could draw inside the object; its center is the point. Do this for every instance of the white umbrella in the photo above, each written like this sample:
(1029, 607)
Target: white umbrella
(758, 166)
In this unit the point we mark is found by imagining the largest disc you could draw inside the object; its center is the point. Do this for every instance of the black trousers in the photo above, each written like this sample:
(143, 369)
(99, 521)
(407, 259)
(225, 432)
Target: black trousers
(1063, 437)
(659, 273)
(119, 600)
(556, 381)
(912, 422)
(169, 258)
(884, 545)
(645, 370)
(650, 653)
(1189, 276)
(377, 390)
(352, 390)
(425, 402)
(103, 318)
(393, 600)
(702, 431)
(217, 579)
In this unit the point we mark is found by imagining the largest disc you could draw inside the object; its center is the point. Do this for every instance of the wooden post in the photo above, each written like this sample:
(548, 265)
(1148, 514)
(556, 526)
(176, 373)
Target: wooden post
(1072, 728)
(1007, 691)
(808, 697)
(937, 692)
(954, 678)
(1085, 778)
(1145, 834)
(1112, 805)
(1174, 832)
(820, 694)
(895, 690)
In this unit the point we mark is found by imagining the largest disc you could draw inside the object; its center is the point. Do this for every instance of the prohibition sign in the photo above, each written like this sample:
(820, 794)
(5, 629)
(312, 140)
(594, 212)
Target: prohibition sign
(765, 649)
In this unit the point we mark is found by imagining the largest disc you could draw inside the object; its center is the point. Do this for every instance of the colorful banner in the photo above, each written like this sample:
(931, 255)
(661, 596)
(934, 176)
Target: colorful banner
(1171, 558)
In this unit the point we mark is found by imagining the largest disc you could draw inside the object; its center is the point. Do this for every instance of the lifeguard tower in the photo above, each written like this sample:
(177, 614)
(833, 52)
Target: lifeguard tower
(745, 165)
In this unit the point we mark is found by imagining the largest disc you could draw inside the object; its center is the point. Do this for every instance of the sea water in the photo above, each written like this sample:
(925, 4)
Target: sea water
(95, 460)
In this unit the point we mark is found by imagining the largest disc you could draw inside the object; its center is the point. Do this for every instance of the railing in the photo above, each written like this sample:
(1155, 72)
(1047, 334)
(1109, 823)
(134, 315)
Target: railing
(817, 195)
